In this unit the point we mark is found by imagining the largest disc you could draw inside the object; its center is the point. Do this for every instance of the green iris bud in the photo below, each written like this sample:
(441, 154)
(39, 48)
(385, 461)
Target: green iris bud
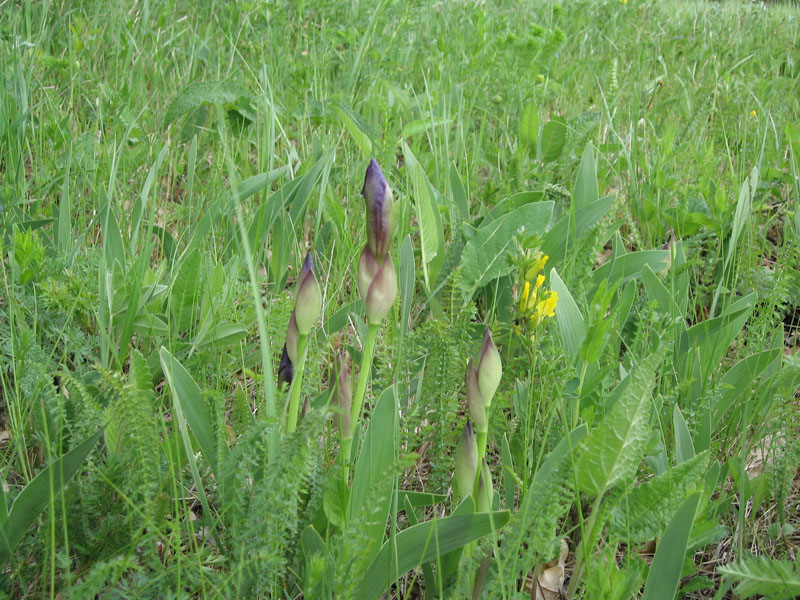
(485, 489)
(490, 369)
(477, 406)
(377, 285)
(466, 462)
(308, 298)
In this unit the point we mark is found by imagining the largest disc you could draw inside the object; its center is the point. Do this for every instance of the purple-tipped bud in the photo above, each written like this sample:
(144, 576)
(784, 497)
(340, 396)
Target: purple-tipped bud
(378, 197)
(485, 489)
(286, 368)
(377, 285)
(477, 406)
(342, 395)
(308, 298)
(466, 462)
(490, 369)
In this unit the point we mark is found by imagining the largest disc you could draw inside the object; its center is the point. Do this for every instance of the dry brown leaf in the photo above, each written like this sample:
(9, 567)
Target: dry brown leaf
(551, 578)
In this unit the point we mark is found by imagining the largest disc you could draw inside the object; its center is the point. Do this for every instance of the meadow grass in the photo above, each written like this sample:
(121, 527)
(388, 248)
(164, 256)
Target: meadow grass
(166, 167)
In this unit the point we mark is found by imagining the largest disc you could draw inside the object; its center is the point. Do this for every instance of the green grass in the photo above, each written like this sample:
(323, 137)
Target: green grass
(165, 167)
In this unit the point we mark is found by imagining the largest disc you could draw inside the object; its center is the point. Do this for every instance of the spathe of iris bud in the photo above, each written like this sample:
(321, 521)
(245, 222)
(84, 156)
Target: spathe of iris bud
(377, 285)
(490, 369)
(342, 396)
(466, 462)
(485, 489)
(378, 198)
(308, 297)
(477, 406)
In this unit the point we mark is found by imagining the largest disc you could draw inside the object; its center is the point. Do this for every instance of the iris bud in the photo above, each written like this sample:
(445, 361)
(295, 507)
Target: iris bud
(490, 369)
(485, 489)
(466, 462)
(477, 407)
(377, 285)
(378, 197)
(342, 397)
(308, 298)
(286, 368)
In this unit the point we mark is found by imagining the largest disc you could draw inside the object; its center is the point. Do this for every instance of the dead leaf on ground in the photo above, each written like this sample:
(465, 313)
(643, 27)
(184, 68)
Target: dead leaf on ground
(550, 580)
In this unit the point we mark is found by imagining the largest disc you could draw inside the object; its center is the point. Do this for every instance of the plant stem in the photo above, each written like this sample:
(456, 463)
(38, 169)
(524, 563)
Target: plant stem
(297, 380)
(358, 400)
(576, 572)
(363, 375)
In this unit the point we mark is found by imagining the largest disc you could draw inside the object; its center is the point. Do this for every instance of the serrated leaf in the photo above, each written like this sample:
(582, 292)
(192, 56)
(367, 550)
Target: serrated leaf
(612, 451)
(203, 93)
(771, 578)
(485, 255)
(647, 510)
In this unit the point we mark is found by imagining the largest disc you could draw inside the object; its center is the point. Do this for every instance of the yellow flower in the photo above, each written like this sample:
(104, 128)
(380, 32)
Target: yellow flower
(753, 113)
(539, 261)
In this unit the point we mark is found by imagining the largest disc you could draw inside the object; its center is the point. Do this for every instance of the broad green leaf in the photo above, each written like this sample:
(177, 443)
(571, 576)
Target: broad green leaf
(586, 190)
(372, 475)
(571, 325)
(746, 194)
(426, 206)
(570, 227)
(143, 198)
(665, 573)
(657, 291)
(648, 508)
(554, 137)
(406, 281)
(186, 288)
(485, 256)
(204, 93)
(714, 336)
(459, 194)
(188, 398)
(738, 380)
(684, 447)
(630, 265)
(611, 453)
(256, 183)
(356, 131)
(222, 334)
(312, 543)
(529, 128)
(35, 496)
(423, 542)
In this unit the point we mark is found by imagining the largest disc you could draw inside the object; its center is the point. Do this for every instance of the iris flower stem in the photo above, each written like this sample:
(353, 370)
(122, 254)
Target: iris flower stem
(481, 438)
(297, 380)
(358, 399)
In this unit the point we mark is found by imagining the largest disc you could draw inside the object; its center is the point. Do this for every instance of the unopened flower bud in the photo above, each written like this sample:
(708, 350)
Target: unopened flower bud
(291, 338)
(485, 489)
(490, 369)
(342, 396)
(377, 285)
(378, 197)
(466, 462)
(477, 406)
(308, 299)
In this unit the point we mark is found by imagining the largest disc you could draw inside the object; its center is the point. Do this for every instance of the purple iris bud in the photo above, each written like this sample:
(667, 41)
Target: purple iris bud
(308, 298)
(378, 197)
(286, 368)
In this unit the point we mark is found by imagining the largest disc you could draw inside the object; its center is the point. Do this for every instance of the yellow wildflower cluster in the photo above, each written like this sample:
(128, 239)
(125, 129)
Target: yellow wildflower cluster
(535, 303)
